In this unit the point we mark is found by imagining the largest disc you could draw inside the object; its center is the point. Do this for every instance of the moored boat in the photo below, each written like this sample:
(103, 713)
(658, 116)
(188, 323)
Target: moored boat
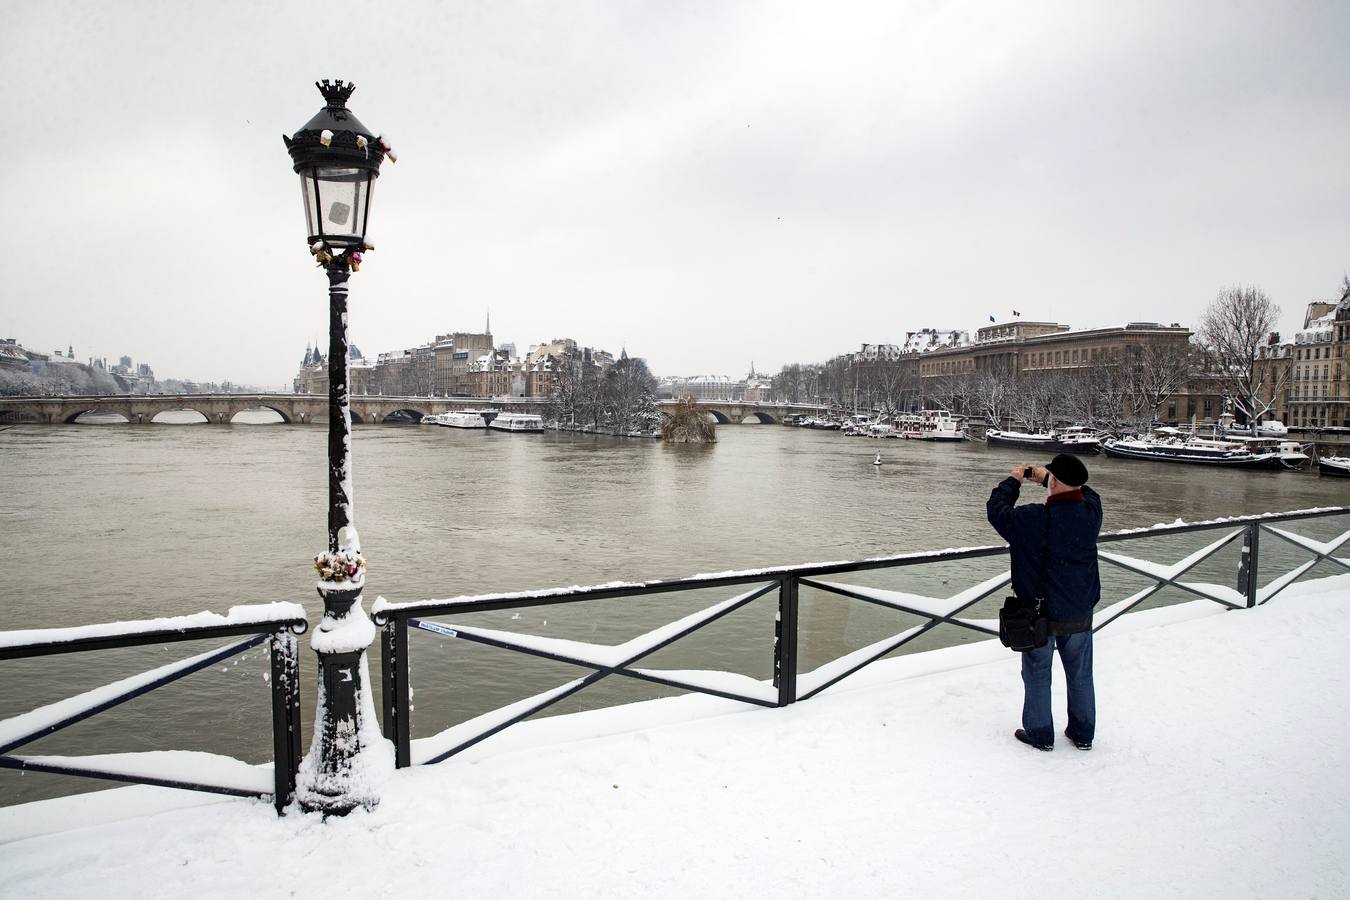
(1063, 440)
(517, 422)
(1195, 451)
(467, 418)
(931, 425)
(1334, 466)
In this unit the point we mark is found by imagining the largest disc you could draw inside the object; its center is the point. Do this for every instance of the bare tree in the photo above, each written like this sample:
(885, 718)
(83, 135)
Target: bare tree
(1157, 372)
(889, 384)
(1232, 331)
(953, 393)
(993, 396)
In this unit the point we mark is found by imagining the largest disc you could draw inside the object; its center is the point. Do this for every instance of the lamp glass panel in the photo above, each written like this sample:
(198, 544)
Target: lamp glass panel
(307, 194)
(343, 197)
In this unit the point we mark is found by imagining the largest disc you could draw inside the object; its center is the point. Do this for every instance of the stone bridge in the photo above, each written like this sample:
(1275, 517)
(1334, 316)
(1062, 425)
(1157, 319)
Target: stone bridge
(735, 412)
(301, 409)
(220, 409)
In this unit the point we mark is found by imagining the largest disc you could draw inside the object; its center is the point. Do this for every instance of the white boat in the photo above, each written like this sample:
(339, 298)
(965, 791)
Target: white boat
(1061, 440)
(1334, 466)
(517, 422)
(931, 425)
(467, 418)
(1179, 448)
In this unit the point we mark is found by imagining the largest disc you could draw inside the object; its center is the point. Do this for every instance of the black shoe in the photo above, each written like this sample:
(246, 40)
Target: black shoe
(1081, 745)
(1022, 736)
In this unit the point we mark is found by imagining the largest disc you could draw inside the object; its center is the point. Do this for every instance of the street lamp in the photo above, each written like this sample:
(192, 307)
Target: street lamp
(338, 160)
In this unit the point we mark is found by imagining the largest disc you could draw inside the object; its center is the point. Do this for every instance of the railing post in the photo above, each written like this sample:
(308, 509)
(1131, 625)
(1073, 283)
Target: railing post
(402, 695)
(394, 687)
(285, 653)
(1247, 569)
(388, 682)
(785, 641)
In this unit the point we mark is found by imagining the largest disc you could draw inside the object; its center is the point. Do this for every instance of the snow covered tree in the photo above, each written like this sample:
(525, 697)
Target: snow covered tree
(1233, 330)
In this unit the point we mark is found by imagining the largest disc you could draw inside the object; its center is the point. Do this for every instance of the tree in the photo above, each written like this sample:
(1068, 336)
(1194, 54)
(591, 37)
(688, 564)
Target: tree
(622, 388)
(994, 395)
(1233, 329)
(1157, 372)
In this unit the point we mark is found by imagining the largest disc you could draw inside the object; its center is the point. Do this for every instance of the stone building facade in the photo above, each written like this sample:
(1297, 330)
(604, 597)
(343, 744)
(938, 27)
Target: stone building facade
(1318, 392)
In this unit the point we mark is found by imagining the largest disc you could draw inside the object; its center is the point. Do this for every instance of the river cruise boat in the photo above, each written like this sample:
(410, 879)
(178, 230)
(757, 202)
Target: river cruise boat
(467, 418)
(931, 425)
(1179, 448)
(1334, 466)
(1062, 440)
(517, 422)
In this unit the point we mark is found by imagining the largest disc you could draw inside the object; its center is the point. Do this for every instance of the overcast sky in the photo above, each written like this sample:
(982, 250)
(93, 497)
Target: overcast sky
(704, 183)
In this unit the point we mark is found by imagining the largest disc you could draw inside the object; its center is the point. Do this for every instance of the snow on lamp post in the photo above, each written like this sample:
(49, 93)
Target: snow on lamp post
(338, 160)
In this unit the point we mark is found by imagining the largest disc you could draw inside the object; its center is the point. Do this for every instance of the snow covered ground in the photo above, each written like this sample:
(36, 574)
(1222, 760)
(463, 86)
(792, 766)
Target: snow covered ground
(1221, 769)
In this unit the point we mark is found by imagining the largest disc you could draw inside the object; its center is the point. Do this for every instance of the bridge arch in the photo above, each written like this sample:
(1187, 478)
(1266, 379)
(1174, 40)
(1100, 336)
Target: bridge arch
(154, 418)
(762, 418)
(285, 419)
(73, 418)
(717, 416)
(404, 415)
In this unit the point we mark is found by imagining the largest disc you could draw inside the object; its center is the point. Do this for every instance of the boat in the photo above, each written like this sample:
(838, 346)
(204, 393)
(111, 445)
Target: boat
(1292, 453)
(468, 418)
(1334, 466)
(1063, 440)
(1175, 447)
(931, 425)
(517, 422)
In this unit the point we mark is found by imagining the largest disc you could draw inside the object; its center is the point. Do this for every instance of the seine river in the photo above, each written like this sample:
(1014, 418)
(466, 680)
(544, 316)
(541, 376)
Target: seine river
(107, 522)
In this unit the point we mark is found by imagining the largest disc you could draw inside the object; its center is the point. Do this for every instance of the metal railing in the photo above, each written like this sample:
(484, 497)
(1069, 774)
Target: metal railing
(788, 686)
(212, 773)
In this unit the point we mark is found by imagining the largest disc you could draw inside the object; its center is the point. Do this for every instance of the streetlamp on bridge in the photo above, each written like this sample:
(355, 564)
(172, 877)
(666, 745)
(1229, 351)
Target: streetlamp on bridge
(338, 160)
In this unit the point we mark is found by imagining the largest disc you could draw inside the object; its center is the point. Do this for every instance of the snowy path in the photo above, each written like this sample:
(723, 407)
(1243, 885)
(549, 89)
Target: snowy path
(1222, 769)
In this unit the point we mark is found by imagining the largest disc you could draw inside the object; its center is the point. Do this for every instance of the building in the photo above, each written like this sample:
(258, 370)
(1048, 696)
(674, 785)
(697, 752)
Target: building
(1319, 382)
(709, 387)
(455, 354)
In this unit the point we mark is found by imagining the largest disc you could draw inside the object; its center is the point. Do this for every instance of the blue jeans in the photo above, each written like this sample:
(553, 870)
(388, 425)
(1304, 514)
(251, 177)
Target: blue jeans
(1075, 653)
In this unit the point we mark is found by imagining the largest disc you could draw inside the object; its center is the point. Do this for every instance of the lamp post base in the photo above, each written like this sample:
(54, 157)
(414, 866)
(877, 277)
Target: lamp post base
(348, 757)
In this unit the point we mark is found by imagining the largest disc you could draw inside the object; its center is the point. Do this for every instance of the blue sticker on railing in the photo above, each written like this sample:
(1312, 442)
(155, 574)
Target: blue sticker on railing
(439, 629)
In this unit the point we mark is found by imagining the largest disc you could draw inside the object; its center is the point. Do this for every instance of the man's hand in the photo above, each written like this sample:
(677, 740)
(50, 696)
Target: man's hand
(1038, 473)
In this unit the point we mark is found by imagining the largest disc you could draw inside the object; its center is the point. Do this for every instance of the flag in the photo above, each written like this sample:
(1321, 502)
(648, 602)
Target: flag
(1016, 313)
(991, 318)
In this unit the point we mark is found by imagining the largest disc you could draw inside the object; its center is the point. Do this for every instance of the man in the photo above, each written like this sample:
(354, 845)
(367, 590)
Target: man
(1053, 547)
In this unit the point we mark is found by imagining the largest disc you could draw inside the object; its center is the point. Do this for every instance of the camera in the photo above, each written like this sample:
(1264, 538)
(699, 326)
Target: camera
(1029, 472)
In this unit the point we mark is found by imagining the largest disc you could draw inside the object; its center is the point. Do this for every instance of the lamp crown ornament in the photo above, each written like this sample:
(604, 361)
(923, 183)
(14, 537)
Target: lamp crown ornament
(335, 93)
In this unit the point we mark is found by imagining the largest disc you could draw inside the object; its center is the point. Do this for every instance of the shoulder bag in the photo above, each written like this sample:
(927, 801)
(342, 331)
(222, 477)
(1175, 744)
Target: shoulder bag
(1022, 624)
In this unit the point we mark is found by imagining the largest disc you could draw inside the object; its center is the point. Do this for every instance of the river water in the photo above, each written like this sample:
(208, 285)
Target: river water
(107, 522)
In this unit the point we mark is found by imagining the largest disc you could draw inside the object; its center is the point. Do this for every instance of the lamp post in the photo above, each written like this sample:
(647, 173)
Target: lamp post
(338, 160)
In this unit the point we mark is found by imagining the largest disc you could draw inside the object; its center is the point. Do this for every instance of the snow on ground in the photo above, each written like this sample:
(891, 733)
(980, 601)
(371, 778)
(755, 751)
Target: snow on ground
(1221, 769)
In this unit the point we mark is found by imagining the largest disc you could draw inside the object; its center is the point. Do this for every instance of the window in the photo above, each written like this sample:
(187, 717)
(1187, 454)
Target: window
(1171, 409)
(1209, 408)
(1075, 356)
(1056, 357)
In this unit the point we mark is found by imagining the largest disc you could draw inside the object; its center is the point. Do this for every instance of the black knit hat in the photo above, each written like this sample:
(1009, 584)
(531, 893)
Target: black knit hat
(1069, 470)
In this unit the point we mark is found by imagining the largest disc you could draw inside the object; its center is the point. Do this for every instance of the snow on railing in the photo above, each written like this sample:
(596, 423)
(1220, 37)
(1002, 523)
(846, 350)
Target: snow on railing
(276, 624)
(787, 686)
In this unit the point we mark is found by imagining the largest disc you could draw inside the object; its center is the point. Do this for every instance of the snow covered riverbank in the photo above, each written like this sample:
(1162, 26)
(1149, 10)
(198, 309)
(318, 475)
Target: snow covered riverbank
(1222, 768)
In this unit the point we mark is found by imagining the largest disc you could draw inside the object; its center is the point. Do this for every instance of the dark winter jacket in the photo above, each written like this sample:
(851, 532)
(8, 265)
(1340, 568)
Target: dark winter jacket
(1072, 584)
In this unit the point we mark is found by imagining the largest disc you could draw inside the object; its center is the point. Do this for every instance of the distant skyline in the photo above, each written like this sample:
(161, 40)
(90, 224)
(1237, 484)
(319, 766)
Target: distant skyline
(703, 183)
